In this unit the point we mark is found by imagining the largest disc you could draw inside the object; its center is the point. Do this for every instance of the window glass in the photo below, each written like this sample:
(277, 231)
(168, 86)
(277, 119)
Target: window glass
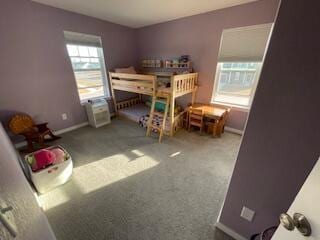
(72, 50)
(236, 83)
(83, 51)
(88, 66)
(93, 52)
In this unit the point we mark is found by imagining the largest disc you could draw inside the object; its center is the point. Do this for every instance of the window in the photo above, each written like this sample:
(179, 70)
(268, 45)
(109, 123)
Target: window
(239, 64)
(236, 82)
(89, 70)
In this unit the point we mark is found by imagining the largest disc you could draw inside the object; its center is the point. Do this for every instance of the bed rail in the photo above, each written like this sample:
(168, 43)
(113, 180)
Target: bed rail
(127, 103)
(137, 83)
(184, 83)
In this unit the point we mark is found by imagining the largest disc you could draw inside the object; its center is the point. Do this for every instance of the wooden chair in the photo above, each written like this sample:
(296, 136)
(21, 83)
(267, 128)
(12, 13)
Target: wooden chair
(22, 124)
(221, 124)
(195, 118)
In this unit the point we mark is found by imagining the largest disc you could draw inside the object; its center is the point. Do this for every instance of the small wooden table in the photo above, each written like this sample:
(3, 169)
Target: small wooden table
(212, 112)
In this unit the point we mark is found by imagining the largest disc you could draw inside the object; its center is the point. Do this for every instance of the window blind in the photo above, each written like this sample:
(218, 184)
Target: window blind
(245, 44)
(82, 39)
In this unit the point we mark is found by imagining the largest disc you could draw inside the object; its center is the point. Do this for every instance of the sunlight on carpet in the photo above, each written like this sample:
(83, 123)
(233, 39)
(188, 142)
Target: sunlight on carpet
(109, 170)
(53, 199)
(99, 174)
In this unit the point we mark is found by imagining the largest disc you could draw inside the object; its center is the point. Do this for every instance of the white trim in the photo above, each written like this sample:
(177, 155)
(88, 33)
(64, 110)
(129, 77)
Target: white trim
(234, 130)
(84, 102)
(232, 106)
(229, 231)
(58, 132)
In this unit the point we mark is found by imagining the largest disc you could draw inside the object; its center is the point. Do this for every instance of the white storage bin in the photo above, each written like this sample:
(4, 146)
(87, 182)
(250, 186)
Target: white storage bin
(53, 176)
(98, 113)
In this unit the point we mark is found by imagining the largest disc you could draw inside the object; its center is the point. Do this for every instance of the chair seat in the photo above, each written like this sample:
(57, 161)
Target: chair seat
(36, 134)
(193, 116)
(196, 123)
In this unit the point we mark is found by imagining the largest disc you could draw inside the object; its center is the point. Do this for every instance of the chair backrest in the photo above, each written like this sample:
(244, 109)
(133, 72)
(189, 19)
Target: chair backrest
(21, 123)
(195, 114)
(224, 116)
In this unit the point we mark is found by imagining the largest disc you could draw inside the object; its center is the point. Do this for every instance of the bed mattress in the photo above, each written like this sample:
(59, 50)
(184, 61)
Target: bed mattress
(140, 114)
(135, 112)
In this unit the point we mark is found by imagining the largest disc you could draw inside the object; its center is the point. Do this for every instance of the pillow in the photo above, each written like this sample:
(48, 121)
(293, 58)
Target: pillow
(126, 70)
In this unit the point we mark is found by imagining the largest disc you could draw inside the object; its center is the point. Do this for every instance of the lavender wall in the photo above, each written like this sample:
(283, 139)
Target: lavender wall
(199, 36)
(43, 85)
(35, 72)
(281, 142)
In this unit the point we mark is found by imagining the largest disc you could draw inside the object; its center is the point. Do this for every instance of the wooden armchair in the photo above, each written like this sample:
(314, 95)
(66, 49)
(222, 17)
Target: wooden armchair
(22, 124)
(195, 118)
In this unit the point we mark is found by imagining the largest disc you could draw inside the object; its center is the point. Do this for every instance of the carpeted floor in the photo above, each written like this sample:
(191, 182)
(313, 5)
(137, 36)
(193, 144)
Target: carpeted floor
(128, 186)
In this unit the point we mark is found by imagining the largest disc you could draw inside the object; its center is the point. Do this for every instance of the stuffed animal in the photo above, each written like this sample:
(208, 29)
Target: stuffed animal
(43, 158)
(60, 155)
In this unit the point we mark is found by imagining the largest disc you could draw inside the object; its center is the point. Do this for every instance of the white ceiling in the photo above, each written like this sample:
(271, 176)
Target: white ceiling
(139, 13)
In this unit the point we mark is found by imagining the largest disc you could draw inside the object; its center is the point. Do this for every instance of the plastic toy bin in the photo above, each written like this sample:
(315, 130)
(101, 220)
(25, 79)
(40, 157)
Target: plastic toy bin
(52, 176)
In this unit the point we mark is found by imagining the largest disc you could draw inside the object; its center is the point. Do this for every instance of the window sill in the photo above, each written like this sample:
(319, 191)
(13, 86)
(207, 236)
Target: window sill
(83, 102)
(232, 106)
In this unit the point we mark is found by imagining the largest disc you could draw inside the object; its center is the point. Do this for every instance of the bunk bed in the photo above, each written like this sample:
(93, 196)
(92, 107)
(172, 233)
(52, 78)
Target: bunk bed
(144, 84)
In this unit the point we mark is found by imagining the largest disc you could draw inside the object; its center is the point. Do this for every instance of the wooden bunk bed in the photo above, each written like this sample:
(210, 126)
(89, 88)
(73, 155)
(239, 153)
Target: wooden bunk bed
(180, 85)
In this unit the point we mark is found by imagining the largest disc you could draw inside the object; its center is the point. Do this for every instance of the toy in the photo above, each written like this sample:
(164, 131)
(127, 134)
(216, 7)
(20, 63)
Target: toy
(43, 158)
(60, 155)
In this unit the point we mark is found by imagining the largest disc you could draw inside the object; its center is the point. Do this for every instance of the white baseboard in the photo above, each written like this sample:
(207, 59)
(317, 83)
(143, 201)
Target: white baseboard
(58, 132)
(74, 127)
(233, 130)
(229, 231)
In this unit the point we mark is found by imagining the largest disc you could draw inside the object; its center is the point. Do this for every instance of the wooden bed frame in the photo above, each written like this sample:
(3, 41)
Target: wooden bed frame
(181, 84)
(127, 103)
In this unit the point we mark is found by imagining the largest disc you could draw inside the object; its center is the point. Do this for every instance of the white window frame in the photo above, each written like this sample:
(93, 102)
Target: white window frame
(104, 79)
(225, 103)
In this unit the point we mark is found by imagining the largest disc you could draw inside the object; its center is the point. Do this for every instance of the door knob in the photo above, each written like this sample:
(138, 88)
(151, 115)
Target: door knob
(298, 221)
(287, 221)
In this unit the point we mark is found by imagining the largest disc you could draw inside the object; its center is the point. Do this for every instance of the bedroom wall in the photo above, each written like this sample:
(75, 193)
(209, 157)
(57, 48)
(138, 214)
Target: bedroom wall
(35, 72)
(281, 142)
(32, 38)
(199, 36)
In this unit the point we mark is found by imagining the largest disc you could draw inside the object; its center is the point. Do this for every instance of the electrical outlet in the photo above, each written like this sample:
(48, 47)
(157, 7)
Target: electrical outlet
(64, 116)
(247, 214)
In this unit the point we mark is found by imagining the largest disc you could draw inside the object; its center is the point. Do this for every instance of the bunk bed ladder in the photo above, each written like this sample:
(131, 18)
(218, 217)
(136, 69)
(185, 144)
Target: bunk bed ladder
(153, 113)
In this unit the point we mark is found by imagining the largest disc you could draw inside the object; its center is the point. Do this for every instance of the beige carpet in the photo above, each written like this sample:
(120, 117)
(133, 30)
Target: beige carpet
(128, 186)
